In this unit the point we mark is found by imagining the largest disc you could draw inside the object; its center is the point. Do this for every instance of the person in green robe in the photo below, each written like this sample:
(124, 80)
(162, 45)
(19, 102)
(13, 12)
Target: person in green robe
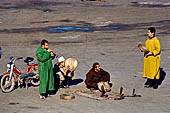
(45, 68)
(151, 68)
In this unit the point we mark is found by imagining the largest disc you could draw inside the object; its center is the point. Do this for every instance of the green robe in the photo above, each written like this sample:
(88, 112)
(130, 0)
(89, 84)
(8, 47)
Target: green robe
(45, 69)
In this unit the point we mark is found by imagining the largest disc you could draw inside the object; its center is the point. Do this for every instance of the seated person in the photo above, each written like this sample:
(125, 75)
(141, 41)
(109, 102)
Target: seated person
(97, 78)
(62, 72)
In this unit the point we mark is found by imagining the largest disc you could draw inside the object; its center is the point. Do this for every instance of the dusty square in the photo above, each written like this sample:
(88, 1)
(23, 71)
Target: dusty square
(108, 32)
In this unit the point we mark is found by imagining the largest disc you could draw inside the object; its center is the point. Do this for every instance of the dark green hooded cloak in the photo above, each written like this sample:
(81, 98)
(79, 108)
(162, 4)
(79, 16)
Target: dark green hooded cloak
(45, 69)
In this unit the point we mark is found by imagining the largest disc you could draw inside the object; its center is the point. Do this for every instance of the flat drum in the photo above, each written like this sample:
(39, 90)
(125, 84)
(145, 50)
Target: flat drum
(72, 62)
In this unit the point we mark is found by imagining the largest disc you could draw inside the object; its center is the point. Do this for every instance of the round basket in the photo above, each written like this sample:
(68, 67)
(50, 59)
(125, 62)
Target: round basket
(67, 96)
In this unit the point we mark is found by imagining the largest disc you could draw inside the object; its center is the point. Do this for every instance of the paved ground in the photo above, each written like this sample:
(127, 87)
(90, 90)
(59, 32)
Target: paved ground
(108, 32)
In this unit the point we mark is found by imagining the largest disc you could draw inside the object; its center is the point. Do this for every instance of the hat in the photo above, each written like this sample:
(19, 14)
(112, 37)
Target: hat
(61, 59)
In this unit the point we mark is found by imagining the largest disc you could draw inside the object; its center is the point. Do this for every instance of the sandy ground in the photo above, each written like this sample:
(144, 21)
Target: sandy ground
(114, 29)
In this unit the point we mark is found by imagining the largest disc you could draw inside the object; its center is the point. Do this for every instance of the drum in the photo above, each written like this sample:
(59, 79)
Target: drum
(143, 48)
(72, 62)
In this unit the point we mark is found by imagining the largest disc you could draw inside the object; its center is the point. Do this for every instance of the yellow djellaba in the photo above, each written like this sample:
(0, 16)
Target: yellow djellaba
(152, 62)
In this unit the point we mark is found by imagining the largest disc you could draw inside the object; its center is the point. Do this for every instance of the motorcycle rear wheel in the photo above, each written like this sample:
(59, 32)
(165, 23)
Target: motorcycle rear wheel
(6, 85)
(35, 81)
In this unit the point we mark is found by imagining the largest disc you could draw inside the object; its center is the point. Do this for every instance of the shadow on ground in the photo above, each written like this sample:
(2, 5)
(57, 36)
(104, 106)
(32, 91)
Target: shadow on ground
(75, 81)
(162, 76)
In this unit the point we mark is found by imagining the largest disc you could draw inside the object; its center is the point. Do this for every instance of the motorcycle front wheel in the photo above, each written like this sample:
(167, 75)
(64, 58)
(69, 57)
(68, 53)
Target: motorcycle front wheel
(7, 85)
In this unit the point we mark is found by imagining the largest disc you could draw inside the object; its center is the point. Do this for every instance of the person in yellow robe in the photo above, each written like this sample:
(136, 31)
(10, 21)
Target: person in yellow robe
(151, 67)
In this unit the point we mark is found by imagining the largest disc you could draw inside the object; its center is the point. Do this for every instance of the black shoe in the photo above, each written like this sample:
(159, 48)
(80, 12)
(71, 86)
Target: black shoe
(104, 96)
(155, 86)
(63, 86)
(148, 86)
(149, 83)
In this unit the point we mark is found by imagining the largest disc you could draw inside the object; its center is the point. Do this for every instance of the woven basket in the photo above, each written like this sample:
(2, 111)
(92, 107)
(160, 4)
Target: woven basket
(67, 96)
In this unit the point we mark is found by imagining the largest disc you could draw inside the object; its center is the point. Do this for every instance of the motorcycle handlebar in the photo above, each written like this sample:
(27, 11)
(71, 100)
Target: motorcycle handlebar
(13, 59)
(20, 57)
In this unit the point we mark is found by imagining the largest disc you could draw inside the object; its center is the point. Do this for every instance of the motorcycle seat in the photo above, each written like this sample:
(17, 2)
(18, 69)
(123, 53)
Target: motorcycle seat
(25, 75)
(28, 59)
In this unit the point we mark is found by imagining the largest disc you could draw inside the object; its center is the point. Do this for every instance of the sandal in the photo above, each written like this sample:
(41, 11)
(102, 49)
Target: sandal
(42, 97)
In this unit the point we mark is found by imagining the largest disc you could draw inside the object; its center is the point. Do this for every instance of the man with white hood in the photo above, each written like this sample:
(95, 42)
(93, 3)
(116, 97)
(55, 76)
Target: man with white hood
(62, 72)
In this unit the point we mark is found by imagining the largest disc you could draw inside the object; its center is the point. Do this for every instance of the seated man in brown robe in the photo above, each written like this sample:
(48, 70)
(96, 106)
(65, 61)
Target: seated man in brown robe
(97, 78)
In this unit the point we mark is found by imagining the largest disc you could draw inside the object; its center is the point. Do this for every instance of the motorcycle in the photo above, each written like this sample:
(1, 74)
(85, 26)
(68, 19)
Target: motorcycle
(14, 76)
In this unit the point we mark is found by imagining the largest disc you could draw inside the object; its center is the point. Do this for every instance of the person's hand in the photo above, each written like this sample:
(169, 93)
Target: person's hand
(149, 54)
(51, 51)
(67, 68)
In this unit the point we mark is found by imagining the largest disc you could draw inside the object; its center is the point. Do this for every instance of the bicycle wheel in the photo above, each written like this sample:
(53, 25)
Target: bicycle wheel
(7, 85)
